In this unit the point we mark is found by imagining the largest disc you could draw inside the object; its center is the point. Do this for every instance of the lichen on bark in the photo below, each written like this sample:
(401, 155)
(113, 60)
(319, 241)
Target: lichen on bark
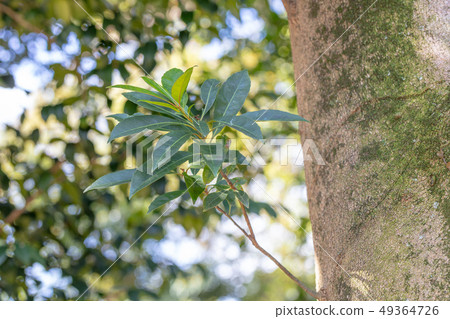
(378, 104)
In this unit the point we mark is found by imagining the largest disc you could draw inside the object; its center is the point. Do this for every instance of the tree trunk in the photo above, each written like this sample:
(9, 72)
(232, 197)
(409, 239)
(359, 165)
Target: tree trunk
(379, 109)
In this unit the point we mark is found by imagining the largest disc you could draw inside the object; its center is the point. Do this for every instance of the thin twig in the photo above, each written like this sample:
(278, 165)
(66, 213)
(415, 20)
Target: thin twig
(244, 211)
(251, 236)
(18, 18)
(234, 222)
(225, 213)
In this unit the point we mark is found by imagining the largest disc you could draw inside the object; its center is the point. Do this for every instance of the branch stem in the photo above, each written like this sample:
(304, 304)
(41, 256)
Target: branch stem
(19, 19)
(251, 236)
(244, 211)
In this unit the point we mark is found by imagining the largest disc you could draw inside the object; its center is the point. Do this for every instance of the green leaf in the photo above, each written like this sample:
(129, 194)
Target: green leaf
(157, 95)
(184, 101)
(165, 198)
(214, 155)
(236, 181)
(202, 127)
(150, 104)
(119, 117)
(213, 199)
(222, 186)
(169, 78)
(207, 175)
(243, 197)
(139, 123)
(272, 115)
(232, 95)
(194, 186)
(230, 202)
(180, 85)
(236, 157)
(130, 108)
(255, 207)
(143, 179)
(164, 104)
(208, 93)
(131, 88)
(168, 145)
(244, 125)
(158, 88)
(190, 109)
(111, 179)
(197, 161)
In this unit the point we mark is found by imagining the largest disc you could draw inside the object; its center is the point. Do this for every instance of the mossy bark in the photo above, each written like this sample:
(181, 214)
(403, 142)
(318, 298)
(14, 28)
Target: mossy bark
(378, 102)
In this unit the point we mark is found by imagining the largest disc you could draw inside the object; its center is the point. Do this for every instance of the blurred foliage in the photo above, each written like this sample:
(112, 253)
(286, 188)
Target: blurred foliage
(55, 241)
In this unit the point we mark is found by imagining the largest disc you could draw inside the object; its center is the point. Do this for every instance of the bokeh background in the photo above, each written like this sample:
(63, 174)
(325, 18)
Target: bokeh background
(56, 61)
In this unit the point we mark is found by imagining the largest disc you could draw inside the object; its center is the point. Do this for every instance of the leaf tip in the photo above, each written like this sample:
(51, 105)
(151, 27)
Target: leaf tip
(87, 189)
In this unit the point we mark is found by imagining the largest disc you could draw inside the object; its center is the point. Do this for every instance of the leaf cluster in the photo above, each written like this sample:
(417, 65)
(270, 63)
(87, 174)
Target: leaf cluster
(208, 155)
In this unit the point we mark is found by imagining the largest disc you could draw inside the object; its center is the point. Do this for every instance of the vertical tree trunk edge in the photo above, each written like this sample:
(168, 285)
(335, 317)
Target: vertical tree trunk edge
(378, 102)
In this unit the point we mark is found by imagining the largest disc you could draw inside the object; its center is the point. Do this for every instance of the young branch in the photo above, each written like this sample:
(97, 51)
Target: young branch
(244, 211)
(19, 19)
(251, 236)
(233, 221)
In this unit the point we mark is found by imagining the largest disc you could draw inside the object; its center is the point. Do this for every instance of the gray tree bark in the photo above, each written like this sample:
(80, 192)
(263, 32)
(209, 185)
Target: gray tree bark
(378, 104)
